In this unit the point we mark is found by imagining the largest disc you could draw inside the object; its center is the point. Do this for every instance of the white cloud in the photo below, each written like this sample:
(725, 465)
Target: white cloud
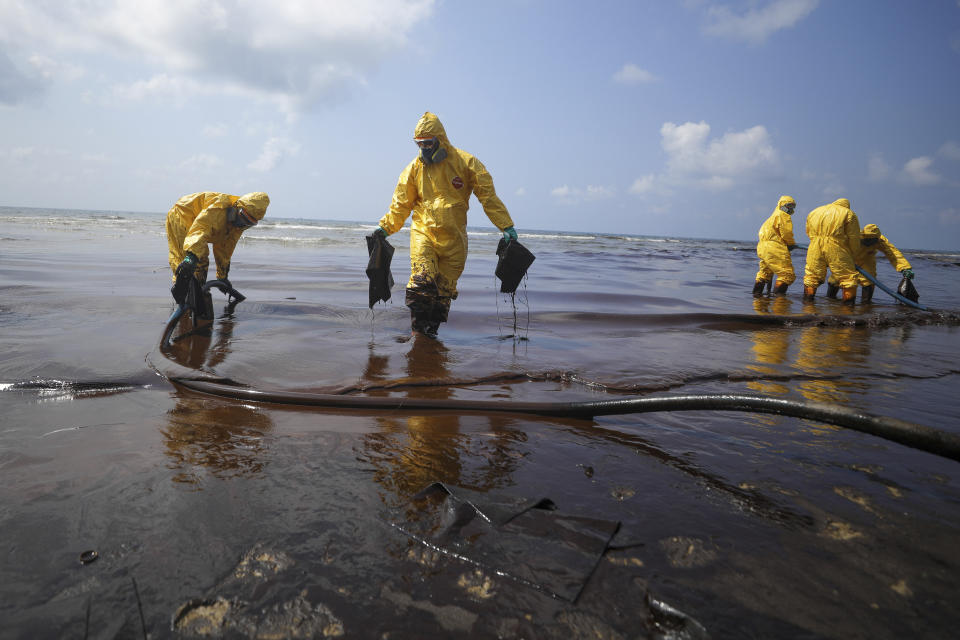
(950, 149)
(520, 192)
(716, 163)
(572, 195)
(201, 162)
(295, 54)
(176, 88)
(835, 189)
(217, 130)
(918, 171)
(18, 85)
(757, 24)
(877, 168)
(274, 150)
(632, 74)
(643, 184)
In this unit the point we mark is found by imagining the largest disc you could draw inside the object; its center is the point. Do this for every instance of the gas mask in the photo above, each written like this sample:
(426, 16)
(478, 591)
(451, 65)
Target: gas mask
(869, 242)
(239, 218)
(430, 151)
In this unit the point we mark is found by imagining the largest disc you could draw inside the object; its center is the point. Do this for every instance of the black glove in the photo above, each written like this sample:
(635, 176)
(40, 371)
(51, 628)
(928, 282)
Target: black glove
(185, 272)
(188, 266)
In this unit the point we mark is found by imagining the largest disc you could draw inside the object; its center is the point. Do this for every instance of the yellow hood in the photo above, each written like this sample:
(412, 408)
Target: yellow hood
(429, 126)
(255, 203)
(870, 231)
(843, 202)
(785, 200)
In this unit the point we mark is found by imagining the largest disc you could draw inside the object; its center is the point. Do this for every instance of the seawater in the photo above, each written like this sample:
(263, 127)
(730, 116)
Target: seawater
(747, 524)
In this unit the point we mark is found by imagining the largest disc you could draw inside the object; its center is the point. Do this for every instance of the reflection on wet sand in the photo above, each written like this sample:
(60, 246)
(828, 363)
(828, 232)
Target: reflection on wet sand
(411, 452)
(224, 438)
(192, 348)
(827, 351)
(770, 346)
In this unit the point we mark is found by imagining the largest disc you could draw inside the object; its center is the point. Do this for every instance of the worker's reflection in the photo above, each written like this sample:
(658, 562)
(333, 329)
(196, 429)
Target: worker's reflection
(770, 346)
(205, 346)
(210, 435)
(829, 353)
(412, 451)
(775, 305)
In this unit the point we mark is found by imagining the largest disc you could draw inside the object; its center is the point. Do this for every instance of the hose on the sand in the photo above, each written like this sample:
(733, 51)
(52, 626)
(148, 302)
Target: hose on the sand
(912, 435)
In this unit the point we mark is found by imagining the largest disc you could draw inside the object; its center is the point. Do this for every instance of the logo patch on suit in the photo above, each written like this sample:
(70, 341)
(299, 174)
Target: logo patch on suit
(457, 182)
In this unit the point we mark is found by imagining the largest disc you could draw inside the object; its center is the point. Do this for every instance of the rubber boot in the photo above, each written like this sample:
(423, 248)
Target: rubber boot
(420, 322)
(849, 295)
(809, 292)
(781, 289)
(866, 293)
(832, 290)
(759, 286)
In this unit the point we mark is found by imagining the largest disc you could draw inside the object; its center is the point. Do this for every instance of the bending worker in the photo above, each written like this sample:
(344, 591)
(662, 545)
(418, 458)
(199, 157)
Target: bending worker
(872, 241)
(776, 243)
(834, 232)
(199, 219)
(436, 187)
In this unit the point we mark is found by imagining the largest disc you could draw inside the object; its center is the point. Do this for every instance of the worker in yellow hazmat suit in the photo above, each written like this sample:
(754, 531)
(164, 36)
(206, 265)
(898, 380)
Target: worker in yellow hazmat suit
(834, 232)
(199, 219)
(436, 187)
(872, 241)
(776, 243)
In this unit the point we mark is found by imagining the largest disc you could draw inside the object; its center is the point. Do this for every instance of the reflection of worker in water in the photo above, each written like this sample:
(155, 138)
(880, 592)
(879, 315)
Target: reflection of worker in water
(195, 350)
(829, 354)
(834, 232)
(770, 346)
(436, 187)
(199, 219)
(222, 437)
(413, 451)
(774, 247)
(872, 241)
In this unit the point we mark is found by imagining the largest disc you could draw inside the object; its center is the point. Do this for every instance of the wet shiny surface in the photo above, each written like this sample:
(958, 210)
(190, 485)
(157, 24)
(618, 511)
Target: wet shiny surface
(216, 516)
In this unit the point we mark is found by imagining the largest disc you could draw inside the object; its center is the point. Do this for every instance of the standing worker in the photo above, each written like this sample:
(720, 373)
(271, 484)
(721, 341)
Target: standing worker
(776, 243)
(436, 187)
(205, 218)
(872, 241)
(834, 232)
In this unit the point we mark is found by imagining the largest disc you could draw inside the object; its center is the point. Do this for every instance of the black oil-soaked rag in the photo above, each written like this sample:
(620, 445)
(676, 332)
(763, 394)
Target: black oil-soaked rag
(378, 268)
(513, 261)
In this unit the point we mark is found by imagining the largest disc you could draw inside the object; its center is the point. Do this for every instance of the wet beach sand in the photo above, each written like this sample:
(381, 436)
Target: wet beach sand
(212, 517)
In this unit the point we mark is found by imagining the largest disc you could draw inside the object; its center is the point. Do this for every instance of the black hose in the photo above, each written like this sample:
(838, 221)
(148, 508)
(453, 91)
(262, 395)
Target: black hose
(171, 324)
(234, 297)
(912, 435)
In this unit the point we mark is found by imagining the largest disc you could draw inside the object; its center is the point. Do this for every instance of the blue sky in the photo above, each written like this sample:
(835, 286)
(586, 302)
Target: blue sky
(686, 118)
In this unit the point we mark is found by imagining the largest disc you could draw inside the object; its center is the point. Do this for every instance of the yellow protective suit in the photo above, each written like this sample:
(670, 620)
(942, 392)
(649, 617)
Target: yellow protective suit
(866, 256)
(776, 235)
(199, 219)
(438, 194)
(834, 232)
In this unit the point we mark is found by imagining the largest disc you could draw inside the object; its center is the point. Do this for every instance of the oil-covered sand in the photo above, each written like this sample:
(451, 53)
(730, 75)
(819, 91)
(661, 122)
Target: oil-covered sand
(215, 517)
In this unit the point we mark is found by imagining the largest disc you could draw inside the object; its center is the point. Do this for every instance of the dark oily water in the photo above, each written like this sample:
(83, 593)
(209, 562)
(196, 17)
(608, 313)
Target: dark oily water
(131, 507)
